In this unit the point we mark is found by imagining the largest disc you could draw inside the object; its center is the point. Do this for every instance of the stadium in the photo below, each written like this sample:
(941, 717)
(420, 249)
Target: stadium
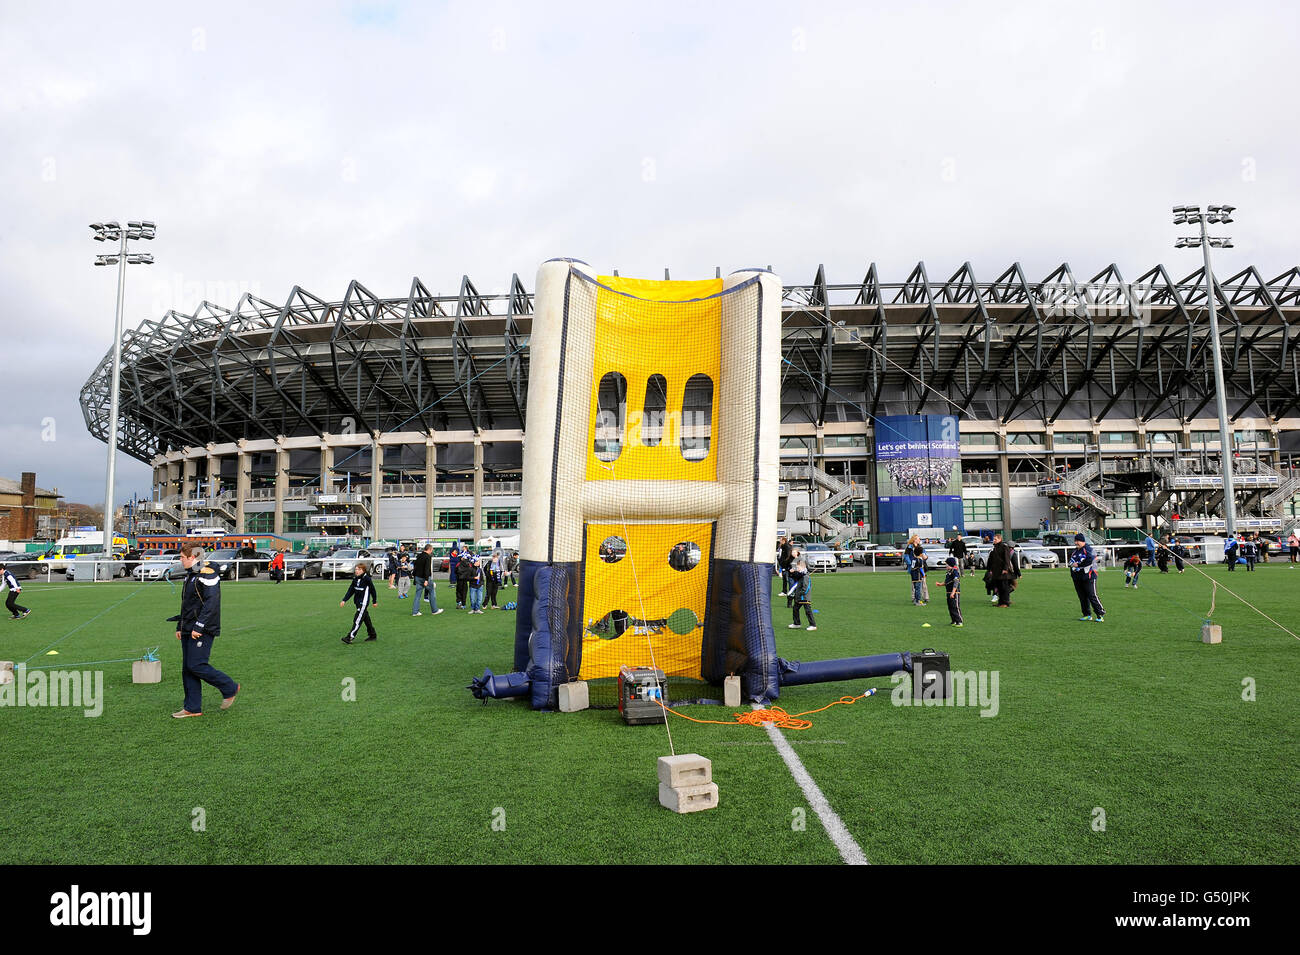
(1085, 403)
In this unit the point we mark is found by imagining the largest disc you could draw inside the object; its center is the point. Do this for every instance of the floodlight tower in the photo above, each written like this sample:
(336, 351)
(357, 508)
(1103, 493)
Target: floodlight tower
(1189, 215)
(113, 232)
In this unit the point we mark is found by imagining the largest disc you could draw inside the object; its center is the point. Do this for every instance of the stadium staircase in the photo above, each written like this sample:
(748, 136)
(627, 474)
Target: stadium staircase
(839, 495)
(1266, 492)
(218, 510)
(1075, 485)
(163, 515)
(1070, 528)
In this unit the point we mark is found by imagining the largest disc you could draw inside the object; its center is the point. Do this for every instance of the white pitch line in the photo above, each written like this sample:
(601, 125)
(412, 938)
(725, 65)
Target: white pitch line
(848, 848)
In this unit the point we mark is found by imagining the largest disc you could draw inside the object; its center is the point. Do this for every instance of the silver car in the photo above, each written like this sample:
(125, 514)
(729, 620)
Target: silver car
(341, 562)
(159, 569)
(819, 557)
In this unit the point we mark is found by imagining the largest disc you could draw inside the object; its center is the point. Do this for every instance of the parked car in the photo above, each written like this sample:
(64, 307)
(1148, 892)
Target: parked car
(304, 565)
(94, 566)
(224, 560)
(881, 555)
(819, 557)
(342, 561)
(171, 569)
(1036, 557)
(24, 566)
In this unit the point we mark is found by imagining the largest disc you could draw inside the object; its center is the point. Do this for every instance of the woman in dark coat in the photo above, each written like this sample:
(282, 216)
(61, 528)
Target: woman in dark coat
(1002, 570)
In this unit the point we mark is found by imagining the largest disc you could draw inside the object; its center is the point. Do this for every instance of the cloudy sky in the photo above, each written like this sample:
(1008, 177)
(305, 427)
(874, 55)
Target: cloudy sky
(278, 144)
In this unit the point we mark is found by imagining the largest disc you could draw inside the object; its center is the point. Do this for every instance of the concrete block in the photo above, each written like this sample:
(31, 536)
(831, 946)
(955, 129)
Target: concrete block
(146, 671)
(6, 671)
(689, 798)
(1211, 633)
(685, 769)
(731, 691)
(574, 697)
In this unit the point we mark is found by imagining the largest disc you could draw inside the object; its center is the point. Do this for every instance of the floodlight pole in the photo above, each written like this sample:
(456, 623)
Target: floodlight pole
(1225, 443)
(113, 400)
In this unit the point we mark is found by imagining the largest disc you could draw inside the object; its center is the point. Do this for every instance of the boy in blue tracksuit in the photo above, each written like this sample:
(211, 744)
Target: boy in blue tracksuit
(1083, 569)
(801, 591)
(952, 587)
(917, 572)
(361, 591)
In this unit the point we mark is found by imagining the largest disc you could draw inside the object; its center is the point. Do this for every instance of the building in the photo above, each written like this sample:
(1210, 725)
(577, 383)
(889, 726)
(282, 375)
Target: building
(1085, 402)
(25, 509)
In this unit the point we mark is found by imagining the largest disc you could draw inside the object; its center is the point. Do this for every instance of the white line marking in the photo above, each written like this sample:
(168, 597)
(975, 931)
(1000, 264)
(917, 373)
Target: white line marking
(849, 850)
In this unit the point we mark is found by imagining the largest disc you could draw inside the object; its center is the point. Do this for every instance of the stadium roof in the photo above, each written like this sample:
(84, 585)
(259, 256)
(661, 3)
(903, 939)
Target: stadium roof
(1007, 349)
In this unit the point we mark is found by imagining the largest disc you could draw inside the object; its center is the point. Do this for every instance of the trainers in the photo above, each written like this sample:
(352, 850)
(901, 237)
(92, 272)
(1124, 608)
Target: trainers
(1085, 618)
(26, 613)
(229, 701)
(184, 714)
(959, 624)
(478, 611)
(781, 594)
(792, 626)
(369, 638)
(436, 612)
(1101, 619)
(348, 640)
(810, 628)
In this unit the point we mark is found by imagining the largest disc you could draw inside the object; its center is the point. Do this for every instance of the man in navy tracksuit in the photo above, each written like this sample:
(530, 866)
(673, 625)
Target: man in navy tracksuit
(7, 579)
(1083, 568)
(198, 625)
(1250, 551)
(361, 590)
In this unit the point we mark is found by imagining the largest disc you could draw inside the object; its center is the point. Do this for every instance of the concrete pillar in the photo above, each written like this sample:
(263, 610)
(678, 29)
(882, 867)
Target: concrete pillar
(477, 517)
(160, 478)
(188, 468)
(173, 479)
(430, 485)
(212, 486)
(242, 485)
(376, 484)
(326, 464)
(281, 486)
(1004, 475)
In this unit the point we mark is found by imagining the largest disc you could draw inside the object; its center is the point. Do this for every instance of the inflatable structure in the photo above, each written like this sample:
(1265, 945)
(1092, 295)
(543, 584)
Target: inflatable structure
(650, 489)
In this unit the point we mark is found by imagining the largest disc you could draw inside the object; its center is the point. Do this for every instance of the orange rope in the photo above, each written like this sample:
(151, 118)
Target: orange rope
(774, 715)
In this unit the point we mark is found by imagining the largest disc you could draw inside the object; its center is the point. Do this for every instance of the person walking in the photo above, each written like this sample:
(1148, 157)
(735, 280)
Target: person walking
(425, 587)
(1083, 571)
(784, 553)
(493, 574)
(7, 580)
(465, 572)
(1230, 553)
(1000, 569)
(197, 626)
(361, 591)
(796, 555)
(1151, 550)
(801, 594)
(1250, 551)
(473, 581)
(1162, 556)
(453, 567)
(403, 575)
(276, 566)
(1293, 547)
(952, 587)
(920, 596)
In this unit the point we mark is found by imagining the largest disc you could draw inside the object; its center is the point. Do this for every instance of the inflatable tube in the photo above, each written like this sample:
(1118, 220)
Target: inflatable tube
(847, 668)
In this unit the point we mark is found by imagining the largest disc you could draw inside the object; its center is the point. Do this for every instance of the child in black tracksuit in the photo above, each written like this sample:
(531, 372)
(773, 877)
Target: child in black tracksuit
(800, 590)
(1250, 551)
(361, 590)
(16, 610)
(952, 587)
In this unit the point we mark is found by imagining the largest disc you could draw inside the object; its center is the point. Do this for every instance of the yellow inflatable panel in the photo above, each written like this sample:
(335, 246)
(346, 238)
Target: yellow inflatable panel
(646, 328)
(644, 585)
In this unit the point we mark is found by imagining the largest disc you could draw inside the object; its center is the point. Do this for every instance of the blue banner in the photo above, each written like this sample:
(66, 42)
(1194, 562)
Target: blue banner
(918, 474)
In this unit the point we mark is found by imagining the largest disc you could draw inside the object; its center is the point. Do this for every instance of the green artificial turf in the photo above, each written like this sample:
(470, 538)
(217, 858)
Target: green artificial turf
(1134, 717)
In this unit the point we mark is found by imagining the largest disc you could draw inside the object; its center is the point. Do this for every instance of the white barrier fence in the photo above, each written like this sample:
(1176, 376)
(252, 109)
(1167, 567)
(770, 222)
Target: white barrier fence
(241, 569)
